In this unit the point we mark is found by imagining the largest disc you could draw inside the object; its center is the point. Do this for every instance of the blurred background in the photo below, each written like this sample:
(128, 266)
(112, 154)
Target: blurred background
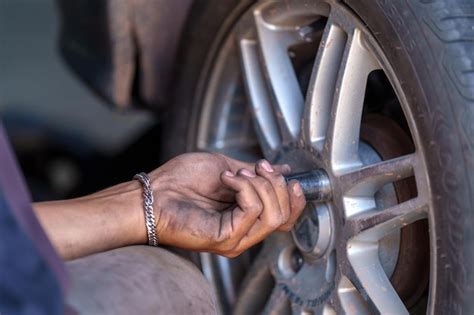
(68, 141)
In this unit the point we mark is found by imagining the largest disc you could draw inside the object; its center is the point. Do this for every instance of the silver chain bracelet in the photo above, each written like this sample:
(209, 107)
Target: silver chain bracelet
(148, 204)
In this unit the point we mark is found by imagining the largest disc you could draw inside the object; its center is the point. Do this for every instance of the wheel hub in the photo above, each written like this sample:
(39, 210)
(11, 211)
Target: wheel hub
(312, 233)
(306, 269)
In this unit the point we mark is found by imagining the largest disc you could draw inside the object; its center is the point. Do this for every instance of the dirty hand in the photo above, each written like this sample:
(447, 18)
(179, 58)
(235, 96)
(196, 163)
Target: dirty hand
(210, 202)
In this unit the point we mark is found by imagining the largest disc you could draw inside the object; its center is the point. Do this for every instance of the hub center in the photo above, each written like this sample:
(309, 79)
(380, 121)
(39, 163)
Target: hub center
(312, 231)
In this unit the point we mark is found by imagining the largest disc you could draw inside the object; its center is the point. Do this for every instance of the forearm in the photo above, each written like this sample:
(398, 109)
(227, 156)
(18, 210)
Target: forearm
(203, 202)
(104, 220)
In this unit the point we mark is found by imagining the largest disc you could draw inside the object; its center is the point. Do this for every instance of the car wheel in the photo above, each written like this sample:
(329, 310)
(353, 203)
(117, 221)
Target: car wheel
(378, 94)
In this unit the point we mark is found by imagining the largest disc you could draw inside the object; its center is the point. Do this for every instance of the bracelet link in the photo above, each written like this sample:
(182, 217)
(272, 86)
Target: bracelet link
(150, 221)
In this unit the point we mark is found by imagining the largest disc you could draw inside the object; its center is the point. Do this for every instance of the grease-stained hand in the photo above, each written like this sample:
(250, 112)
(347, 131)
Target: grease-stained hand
(210, 202)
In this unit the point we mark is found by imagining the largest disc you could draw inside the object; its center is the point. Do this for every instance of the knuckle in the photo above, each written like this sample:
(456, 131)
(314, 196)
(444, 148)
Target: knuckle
(222, 239)
(248, 184)
(245, 174)
(217, 155)
(225, 247)
(281, 219)
(244, 183)
(286, 227)
(280, 180)
(250, 204)
(255, 207)
(231, 254)
(214, 154)
(267, 185)
(301, 205)
(230, 249)
(229, 244)
(289, 225)
(234, 244)
(274, 222)
(297, 202)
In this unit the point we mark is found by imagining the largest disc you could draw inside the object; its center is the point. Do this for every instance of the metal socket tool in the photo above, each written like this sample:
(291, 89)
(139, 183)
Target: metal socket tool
(315, 184)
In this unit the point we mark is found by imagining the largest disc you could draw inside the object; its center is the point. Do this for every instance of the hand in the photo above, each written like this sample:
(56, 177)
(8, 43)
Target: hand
(210, 202)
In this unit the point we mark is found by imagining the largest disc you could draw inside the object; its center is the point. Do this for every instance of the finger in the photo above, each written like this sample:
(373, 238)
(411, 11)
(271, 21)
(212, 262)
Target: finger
(236, 165)
(283, 169)
(270, 218)
(264, 169)
(297, 204)
(250, 207)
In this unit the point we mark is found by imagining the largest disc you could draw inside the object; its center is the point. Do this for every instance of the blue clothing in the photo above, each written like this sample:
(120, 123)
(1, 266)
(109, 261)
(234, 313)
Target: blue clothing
(32, 277)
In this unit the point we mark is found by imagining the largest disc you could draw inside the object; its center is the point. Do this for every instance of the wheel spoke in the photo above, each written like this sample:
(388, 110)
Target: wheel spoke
(373, 225)
(277, 303)
(367, 180)
(365, 229)
(328, 310)
(256, 287)
(322, 86)
(364, 258)
(274, 42)
(349, 299)
(344, 126)
(265, 123)
(259, 281)
(359, 187)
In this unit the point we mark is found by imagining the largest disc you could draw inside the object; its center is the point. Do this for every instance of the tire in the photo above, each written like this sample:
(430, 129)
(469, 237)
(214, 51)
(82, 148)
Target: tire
(430, 44)
(206, 27)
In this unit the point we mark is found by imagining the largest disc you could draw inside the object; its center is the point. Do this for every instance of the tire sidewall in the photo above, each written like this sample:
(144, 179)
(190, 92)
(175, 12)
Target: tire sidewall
(207, 27)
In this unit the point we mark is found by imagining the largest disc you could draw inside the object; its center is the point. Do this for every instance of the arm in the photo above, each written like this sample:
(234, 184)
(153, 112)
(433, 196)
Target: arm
(104, 220)
(203, 202)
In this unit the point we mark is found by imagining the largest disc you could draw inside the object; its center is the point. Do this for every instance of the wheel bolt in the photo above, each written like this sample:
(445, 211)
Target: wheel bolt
(297, 260)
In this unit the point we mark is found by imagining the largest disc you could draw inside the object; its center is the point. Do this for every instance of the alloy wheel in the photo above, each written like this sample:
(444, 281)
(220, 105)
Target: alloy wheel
(298, 82)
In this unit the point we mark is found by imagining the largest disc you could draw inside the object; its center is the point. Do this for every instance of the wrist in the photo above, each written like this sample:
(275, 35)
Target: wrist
(127, 198)
(161, 185)
(105, 220)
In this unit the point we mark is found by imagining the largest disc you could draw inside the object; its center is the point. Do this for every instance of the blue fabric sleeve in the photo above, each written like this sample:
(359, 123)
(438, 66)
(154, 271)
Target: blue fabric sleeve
(27, 283)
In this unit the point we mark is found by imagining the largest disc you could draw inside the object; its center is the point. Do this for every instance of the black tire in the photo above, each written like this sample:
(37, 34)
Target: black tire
(207, 26)
(430, 44)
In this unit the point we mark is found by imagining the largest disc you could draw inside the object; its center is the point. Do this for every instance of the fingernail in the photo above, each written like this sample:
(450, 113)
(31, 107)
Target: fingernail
(229, 174)
(297, 189)
(247, 173)
(287, 168)
(266, 166)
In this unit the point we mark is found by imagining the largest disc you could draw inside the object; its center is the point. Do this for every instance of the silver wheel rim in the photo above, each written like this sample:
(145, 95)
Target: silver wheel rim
(322, 128)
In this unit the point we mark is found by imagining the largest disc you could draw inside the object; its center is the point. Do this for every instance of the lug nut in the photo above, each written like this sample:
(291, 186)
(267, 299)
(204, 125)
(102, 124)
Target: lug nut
(297, 260)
